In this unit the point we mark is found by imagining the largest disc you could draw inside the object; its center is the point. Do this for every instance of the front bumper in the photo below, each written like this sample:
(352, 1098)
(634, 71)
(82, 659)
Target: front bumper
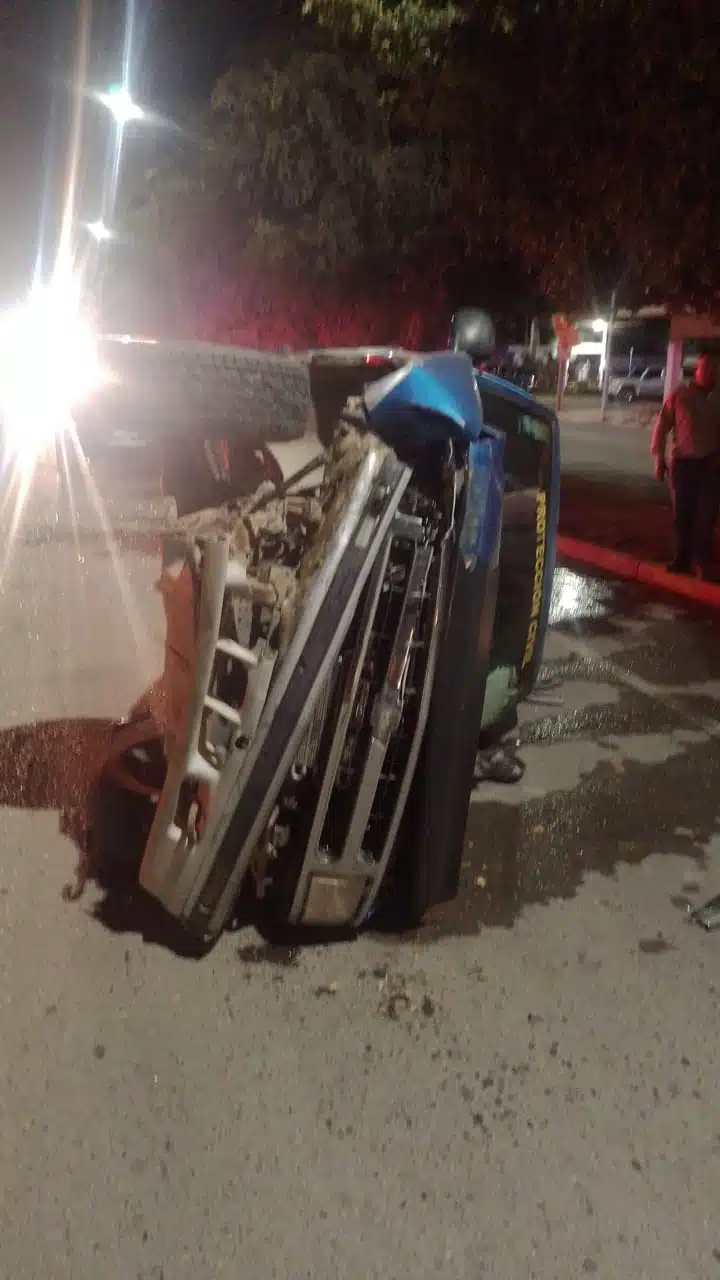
(197, 877)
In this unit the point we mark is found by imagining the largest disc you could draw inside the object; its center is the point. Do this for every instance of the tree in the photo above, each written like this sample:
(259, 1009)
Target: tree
(301, 155)
(403, 34)
(308, 150)
(580, 131)
(406, 145)
(296, 172)
(301, 177)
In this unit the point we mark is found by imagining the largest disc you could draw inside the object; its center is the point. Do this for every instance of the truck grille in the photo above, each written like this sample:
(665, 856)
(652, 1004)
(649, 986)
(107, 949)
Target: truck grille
(373, 725)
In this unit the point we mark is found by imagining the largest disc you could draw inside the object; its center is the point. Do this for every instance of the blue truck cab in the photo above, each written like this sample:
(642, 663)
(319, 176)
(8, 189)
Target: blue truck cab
(495, 631)
(530, 504)
(528, 547)
(529, 527)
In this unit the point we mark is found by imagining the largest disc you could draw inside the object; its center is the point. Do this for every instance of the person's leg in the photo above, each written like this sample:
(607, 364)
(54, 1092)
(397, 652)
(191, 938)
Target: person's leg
(684, 481)
(706, 513)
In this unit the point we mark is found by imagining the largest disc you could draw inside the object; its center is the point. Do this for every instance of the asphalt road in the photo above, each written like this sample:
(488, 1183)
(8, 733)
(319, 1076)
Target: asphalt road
(617, 450)
(528, 1088)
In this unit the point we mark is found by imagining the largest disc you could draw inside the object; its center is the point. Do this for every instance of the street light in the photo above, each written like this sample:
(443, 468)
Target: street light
(602, 328)
(99, 231)
(121, 105)
(605, 357)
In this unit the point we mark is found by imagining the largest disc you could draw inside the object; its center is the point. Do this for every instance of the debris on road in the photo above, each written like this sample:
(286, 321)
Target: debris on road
(498, 764)
(708, 915)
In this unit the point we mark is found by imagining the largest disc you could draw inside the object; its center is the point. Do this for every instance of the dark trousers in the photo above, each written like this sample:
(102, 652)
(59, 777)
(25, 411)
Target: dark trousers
(695, 484)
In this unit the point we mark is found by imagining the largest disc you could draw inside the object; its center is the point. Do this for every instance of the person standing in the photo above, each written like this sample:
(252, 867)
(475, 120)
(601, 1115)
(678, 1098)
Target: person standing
(690, 419)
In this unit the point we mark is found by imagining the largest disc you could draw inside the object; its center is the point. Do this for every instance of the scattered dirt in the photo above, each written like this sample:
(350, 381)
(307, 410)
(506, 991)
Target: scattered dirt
(655, 946)
(268, 953)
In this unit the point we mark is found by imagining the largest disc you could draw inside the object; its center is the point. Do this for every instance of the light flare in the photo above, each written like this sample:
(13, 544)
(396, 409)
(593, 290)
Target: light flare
(121, 105)
(49, 363)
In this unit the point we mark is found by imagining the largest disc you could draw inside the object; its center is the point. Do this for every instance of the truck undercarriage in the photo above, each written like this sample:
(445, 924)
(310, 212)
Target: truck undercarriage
(312, 738)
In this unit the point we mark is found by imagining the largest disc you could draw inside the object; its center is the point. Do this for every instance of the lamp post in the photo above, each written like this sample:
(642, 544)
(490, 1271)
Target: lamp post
(121, 105)
(124, 111)
(99, 230)
(607, 349)
(600, 327)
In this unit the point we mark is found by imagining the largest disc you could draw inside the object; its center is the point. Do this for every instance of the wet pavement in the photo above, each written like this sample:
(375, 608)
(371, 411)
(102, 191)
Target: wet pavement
(615, 452)
(608, 452)
(628, 767)
(526, 1088)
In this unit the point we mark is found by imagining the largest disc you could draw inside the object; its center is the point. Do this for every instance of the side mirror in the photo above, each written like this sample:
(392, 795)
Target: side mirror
(473, 332)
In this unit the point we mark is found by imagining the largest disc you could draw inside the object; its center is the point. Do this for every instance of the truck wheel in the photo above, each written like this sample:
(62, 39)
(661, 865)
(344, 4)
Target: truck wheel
(200, 390)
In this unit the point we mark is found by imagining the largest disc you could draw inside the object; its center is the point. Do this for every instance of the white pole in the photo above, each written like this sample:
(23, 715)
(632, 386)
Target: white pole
(673, 366)
(563, 357)
(608, 352)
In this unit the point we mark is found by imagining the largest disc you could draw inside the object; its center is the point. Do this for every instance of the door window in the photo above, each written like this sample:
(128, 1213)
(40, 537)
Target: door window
(528, 441)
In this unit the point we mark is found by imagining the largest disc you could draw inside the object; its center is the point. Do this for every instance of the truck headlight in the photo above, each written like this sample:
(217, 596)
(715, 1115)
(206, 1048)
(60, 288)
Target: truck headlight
(48, 363)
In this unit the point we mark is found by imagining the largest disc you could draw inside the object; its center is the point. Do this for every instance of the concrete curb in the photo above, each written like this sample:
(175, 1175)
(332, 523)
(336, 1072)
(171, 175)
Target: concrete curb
(623, 565)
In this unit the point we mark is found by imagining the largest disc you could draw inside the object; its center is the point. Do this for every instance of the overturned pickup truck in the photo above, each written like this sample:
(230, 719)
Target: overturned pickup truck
(339, 639)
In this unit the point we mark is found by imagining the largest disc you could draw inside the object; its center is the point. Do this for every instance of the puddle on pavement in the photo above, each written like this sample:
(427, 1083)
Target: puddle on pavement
(595, 707)
(519, 855)
(621, 616)
(577, 598)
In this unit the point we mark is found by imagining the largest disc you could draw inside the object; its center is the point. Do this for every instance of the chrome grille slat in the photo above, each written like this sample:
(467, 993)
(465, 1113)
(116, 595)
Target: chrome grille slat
(312, 854)
(382, 626)
(387, 711)
(418, 733)
(310, 745)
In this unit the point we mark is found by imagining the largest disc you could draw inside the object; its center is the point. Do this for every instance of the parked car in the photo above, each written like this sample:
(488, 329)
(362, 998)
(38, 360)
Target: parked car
(333, 652)
(648, 385)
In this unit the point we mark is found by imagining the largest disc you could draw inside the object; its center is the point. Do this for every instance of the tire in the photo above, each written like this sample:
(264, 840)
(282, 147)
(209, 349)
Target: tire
(628, 396)
(200, 390)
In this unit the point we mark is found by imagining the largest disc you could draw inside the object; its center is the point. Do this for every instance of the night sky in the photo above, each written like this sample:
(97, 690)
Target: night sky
(180, 46)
